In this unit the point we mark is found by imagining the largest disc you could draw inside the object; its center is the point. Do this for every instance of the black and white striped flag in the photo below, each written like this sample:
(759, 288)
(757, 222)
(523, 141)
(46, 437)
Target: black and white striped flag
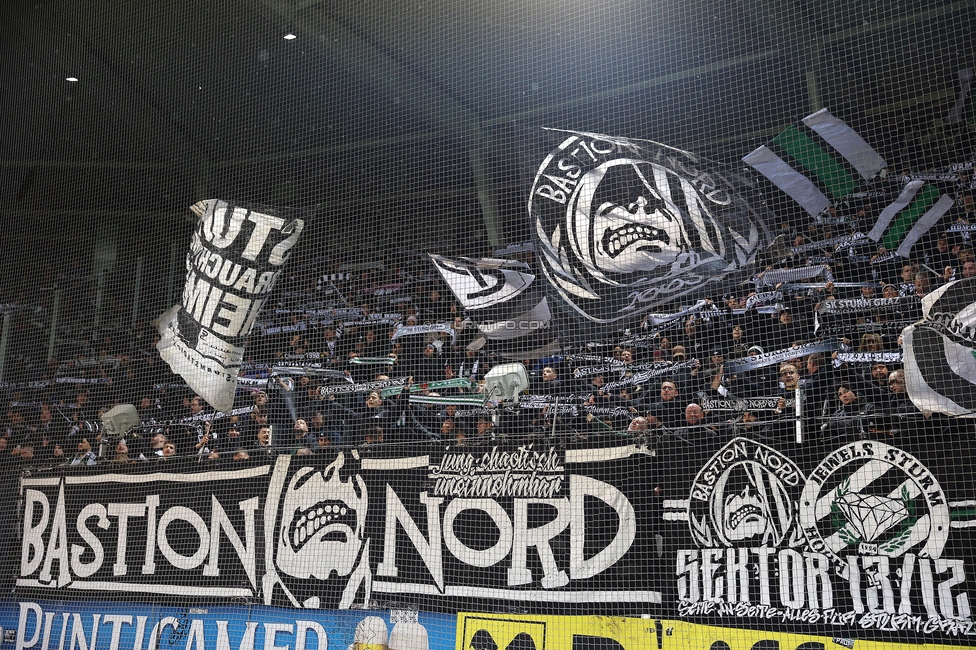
(940, 351)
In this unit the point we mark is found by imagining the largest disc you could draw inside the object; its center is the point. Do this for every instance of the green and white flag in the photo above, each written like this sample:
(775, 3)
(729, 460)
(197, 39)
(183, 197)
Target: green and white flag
(817, 161)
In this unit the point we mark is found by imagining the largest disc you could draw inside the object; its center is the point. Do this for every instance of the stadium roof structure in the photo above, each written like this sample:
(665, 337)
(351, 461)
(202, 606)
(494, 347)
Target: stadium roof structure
(118, 115)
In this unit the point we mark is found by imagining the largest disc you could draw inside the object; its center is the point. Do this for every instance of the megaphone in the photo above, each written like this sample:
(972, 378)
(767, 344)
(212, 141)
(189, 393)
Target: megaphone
(119, 420)
(506, 381)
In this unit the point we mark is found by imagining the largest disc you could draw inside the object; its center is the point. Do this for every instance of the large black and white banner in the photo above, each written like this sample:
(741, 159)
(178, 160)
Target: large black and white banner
(236, 255)
(624, 226)
(857, 539)
(940, 351)
(436, 527)
(851, 538)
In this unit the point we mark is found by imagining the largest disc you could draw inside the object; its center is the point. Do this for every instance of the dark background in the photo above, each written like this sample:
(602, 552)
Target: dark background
(410, 124)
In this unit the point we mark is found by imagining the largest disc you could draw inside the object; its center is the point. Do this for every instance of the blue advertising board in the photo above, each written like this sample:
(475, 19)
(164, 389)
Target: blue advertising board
(110, 625)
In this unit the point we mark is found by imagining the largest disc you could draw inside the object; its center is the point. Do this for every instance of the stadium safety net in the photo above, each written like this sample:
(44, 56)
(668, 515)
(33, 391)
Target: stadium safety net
(492, 326)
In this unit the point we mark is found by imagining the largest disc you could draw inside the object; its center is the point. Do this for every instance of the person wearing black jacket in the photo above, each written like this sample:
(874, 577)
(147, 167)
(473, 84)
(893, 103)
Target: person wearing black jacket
(853, 418)
(375, 411)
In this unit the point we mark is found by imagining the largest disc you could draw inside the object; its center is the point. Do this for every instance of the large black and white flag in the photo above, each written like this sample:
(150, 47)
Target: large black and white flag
(236, 255)
(501, 296)
(940, 351)
(625, 226)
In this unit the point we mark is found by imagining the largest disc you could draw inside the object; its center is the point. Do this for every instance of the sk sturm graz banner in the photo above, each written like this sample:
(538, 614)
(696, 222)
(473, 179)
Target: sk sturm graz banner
(624, 226)
(435, 527)
(866, 539)
(236, 255)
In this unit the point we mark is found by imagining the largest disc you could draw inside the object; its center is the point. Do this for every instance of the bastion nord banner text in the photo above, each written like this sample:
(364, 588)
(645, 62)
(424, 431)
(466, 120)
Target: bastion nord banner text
(522, 525)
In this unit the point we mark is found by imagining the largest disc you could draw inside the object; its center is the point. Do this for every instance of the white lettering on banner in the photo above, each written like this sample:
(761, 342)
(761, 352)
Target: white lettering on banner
(521, 473)
(867, 527)
(47, 544)
(201, 300)
(224, 291)
(514, 534)
(37, 629)
(91, 546)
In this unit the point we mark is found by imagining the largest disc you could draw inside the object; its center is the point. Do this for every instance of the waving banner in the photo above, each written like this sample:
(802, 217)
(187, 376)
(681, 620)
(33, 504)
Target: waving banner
(940, 351)
(502, 297)
(816, 161)
(236, 255)
(623, 226)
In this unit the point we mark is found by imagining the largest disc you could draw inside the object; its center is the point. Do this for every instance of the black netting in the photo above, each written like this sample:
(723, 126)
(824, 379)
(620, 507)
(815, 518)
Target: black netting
(496, 326)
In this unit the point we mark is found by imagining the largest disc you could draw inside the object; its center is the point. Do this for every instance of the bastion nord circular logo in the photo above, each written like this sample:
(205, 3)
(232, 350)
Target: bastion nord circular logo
(624, 226)
(870, 498)
(745, 496)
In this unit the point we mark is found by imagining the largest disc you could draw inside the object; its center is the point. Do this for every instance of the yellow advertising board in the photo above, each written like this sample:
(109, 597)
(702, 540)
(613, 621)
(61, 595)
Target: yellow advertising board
(523, 632)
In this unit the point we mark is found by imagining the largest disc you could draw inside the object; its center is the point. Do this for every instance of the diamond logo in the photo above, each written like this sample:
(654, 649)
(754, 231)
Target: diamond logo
(870, 515)
(868, 497)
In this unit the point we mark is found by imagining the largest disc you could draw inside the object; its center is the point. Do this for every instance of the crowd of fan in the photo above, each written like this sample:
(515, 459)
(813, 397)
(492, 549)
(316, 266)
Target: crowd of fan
(53, 415)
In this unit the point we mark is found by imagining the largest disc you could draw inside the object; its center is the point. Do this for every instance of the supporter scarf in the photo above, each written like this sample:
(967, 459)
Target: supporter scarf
(774, 277)
(644, 377)
(589, 358)
(216, 415)
(861, 305)
(372, 361)
(284, 329)
(961, 227)
(840, 243)
(763, 298)
(413, 330)
(565, 405)
(298, 358)
(480, 412)
(867, 357)
(251, 381)
(362, 387)
(612, 411)
(459, 382)
(770, 358)
(881, 259)
(475, 399)
(745, 404)
(348, 313)
(590, 371)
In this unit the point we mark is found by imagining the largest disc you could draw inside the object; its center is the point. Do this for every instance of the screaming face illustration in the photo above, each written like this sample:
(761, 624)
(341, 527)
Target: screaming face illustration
(751, 504)
(623, 219)
(623, 227)
(322, 523)
(745, 516)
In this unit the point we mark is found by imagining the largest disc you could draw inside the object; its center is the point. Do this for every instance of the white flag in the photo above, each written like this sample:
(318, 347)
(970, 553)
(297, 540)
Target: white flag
(940, 351)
